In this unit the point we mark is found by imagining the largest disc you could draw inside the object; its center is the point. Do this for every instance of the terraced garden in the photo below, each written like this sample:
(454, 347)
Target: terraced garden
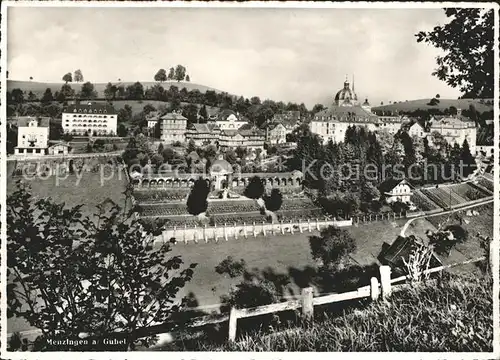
(423, 202)
(160, 195)
(485, 183)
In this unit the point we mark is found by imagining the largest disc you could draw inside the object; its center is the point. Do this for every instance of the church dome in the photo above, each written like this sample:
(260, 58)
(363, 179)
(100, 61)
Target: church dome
(221, 166)
(346, 95)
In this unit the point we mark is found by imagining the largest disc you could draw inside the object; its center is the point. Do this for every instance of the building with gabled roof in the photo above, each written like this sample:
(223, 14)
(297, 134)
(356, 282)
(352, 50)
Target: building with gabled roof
(89, 118)
(229, 120)
(173, 127)
(396, 189)
(455, 129)
(32, 135)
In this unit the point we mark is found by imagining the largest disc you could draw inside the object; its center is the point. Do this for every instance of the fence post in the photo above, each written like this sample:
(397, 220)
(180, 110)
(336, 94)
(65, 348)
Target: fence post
(185, 231)
(254, 230)
(317, 224)
(291, 226)
(175, 232)
(195, 235)
(244, 229)
(300, 227)
(163, 233)
(235, 232)
(370, 215)
(263, 229)
(215, 233)
(205, 233)
(309, 225)
(385, 280)
(282, 228)
(233, 319)
(374, 290)
(307, 303)
(225, 232)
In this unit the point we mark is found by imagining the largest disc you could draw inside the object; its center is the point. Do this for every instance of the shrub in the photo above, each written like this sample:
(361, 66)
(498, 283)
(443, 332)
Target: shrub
(255, 188)
(197, 200)
(274, 201)
(332, 246)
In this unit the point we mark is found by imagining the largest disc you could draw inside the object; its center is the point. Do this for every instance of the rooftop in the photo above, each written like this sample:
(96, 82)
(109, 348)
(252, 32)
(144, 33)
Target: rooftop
(23, 121)
(90, 107)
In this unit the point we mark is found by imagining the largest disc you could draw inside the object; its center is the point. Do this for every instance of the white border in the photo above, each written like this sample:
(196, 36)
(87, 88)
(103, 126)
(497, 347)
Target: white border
(252, 4)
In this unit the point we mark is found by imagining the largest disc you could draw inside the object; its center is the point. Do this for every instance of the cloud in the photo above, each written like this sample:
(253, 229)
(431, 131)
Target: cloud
(297, 55)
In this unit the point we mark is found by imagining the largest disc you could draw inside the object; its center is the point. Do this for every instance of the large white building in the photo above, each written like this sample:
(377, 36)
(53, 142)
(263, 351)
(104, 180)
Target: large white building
(229, 120)
(32, 135)
(89, 118)
(455, 129)
(346, 111)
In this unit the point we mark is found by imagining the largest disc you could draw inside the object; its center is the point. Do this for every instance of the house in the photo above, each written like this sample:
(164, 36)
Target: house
(416, 129)
(455, 129)
(275, 133)
(173, 127)
(32, 135)
(152, 119)
(289, 119)
(400, 249)
(246, 136)
(229, 120)
(89, 119)
(394, 189)
(203, 134)
(59, 148)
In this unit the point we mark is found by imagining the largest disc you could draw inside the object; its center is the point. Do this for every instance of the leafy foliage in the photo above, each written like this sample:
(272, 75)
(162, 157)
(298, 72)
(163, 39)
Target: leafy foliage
(467, 40)
(71, 275)
(273, 202)
(197, 200)
(255, 188)
(332, 247)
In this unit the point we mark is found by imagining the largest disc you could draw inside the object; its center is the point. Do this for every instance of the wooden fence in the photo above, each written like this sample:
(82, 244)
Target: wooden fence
(306, 303)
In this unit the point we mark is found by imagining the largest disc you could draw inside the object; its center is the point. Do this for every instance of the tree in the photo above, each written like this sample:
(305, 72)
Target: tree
(71, 275)
(67, 92)
(180, 73)
(121, 130)
(17, 96)
(437, 96)
(317, 108)
(11, 138)
(433, 102)
(67, 78)
(274, 201)
(78, 76)
(31, 96)
(468, 161)
(135, 91)
(161, 75)
(110, 91)
(241, 152)
(210, 152)
(369, 192)
(468, 42)
(55, 130)
(171, 74)
(332, 247)
(203, 112)
(87, 91)
(47, 96)
(197, 199)
(231, 267)
(231, 156)
(188, 79)
(255, 100)
(31, 78)
(148, 108)
(191, 146)
(255, 188)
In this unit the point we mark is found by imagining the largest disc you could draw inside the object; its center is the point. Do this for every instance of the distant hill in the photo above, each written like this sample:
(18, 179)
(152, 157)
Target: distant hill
(38, 88)
(421, 104)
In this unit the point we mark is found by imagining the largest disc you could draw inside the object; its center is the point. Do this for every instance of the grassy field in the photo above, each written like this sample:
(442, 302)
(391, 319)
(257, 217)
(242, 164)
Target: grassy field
(38, 88)
(413, 105)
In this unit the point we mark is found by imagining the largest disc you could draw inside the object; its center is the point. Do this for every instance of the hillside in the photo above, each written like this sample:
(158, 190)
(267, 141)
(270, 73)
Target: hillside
(421, 104)
(453, 314)
(38, 88)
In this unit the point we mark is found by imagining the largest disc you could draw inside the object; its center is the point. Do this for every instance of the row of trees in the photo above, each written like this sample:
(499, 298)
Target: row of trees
(77, 77)
(178, 73)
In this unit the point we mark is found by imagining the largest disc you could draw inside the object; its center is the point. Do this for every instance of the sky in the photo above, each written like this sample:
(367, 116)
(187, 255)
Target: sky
(298, 55)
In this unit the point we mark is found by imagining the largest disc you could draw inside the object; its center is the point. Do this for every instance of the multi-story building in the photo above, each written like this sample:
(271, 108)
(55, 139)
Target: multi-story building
(417, 130)
(32, 135)
(229, 120)
(152, 118)
(203, 134)
(173, 127)
(246, 136)
(455, 129)
(289, 119)
(89, 118)
(275, 133)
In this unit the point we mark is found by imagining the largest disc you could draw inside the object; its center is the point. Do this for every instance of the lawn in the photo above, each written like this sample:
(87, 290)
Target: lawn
(72, 191)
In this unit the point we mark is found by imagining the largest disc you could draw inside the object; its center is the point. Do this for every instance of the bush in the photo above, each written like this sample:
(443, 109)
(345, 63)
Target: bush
(197, 200)
(274, 201)
(255, 188)
(332, 247)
